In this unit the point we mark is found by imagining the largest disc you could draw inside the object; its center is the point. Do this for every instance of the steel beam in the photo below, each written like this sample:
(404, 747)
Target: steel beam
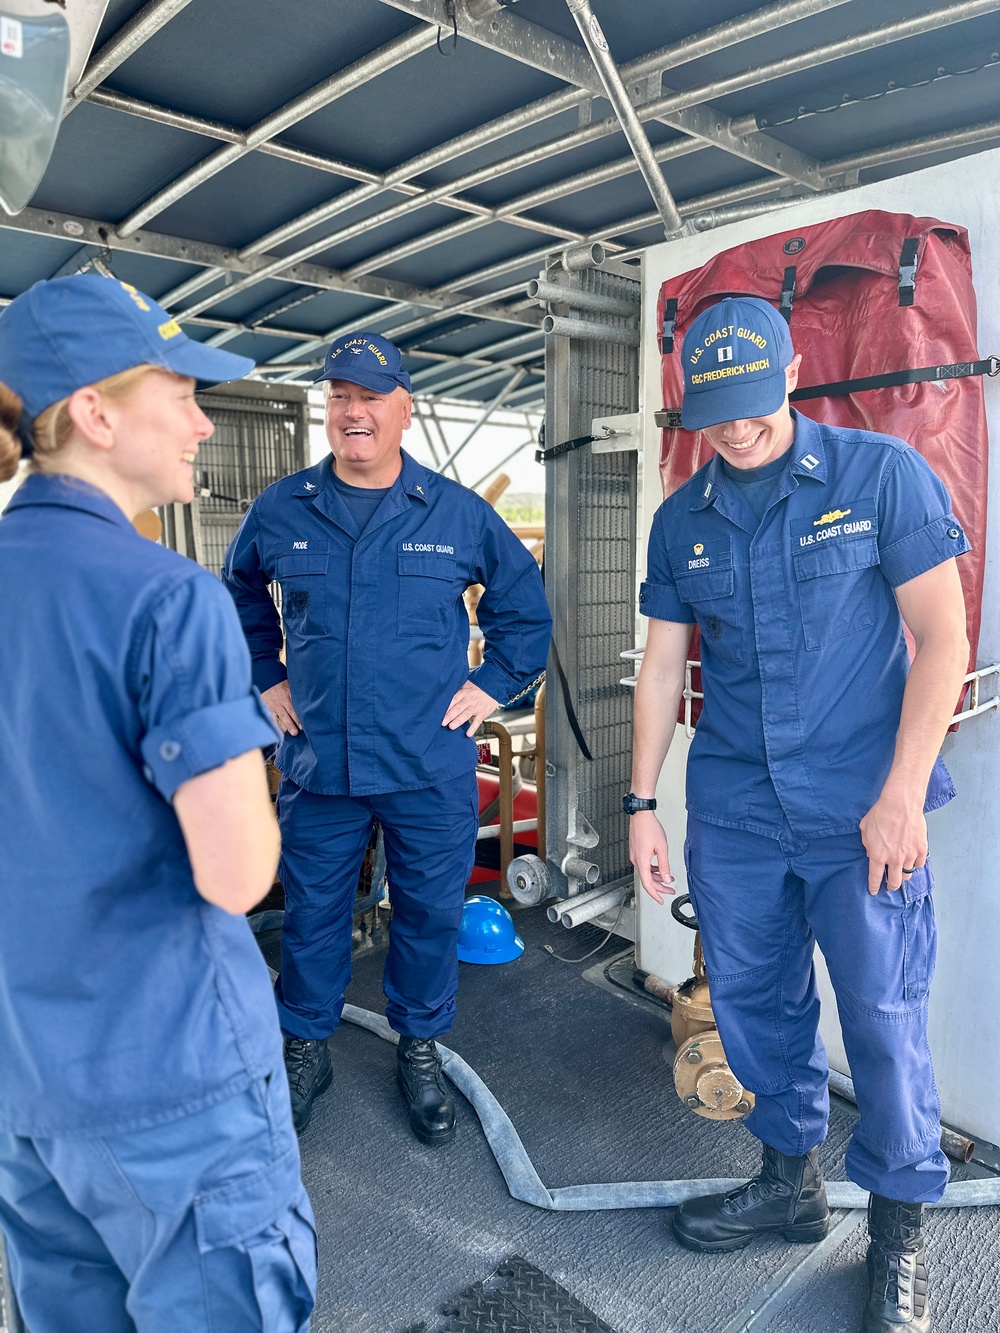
(616, 93)
(88, 231)
(344, 81)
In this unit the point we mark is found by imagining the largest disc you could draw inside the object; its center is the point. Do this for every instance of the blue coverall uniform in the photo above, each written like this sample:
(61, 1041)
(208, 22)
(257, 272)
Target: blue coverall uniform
(149, 1173)
(804, 662)
(376, 646)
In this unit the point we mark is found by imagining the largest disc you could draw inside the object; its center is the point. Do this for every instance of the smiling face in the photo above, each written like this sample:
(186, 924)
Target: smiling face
(158, 428)
(756, 441)
(365, 430)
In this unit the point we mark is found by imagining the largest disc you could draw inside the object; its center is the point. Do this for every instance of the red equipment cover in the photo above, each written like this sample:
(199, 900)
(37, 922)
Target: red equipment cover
(848, 323)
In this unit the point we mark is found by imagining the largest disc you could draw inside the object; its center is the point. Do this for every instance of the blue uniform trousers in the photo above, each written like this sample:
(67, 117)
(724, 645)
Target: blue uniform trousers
(200, 1224)
(762, 904)
(430, 842)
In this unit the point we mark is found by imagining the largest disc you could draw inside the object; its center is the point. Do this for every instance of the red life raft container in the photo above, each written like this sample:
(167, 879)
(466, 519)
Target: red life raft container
(868, 294)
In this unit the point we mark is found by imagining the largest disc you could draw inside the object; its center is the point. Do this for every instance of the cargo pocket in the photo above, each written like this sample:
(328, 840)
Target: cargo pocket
(427, 592)
(836, 590)
(919, 934)
(265, 1217)
(283, 1261)
(302, 577)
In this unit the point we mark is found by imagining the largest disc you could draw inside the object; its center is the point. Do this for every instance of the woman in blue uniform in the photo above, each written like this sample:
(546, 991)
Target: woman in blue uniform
(149, 1173)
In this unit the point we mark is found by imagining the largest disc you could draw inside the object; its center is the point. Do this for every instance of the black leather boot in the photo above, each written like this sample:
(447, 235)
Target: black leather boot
(310, 1073)
(897, 1269)
(421, 1081)
(788, 1198)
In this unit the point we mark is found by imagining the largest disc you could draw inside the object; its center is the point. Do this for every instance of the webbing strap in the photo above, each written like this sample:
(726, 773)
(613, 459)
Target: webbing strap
(908, 271)
(669, 324)
(567, 697)
(567, 447)
(958, 370)
(787, 294)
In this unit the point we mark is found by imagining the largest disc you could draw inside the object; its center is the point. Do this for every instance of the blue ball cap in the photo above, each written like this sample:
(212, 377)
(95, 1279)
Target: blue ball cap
(367, 359)
(65, 333)
(734, 359)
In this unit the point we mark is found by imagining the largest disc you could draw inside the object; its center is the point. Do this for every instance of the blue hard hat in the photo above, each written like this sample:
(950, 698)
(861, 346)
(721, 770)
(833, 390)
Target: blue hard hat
(487, 933)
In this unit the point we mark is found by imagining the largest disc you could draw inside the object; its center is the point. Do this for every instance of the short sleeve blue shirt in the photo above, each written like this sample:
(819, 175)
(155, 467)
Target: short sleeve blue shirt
(803, 654)
(377, 631)
(126, 999)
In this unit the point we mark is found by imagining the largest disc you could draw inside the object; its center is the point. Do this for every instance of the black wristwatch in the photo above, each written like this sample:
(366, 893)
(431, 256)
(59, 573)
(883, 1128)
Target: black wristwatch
(631, 804)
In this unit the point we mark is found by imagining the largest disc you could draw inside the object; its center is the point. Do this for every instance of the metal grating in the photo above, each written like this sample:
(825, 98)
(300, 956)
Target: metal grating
(518, 1298)
(259, 437)
(590, 574)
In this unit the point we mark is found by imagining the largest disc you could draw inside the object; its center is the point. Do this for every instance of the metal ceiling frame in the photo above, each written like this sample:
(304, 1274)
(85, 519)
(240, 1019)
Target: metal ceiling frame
(229, 272)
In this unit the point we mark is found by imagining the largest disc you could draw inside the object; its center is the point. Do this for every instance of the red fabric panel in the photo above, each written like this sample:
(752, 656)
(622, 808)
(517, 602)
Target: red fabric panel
(847, 323)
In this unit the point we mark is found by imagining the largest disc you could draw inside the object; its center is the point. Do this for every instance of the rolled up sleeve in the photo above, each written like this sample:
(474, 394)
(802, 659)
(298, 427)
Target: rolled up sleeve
(917, 529)
(191, 671)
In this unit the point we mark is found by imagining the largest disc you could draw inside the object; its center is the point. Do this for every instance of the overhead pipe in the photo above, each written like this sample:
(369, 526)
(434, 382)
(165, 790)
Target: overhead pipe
(541, 290)
(484, 416)
(122, 44)
(563, 326)
(596, 44)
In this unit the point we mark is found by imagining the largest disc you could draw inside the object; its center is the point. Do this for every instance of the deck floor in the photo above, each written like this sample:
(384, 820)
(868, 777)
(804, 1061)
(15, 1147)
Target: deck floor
(583, 1070)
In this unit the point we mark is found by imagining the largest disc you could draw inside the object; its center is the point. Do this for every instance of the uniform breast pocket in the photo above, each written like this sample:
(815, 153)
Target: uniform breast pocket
(837, 590)
(711, 594)
(428, 590)
(303, 580)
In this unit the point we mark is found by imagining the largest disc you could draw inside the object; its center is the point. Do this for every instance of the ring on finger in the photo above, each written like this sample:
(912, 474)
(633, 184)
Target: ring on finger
(908, 870)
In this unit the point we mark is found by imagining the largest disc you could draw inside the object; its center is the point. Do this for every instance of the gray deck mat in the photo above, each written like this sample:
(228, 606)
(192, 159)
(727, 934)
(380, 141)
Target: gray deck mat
(582, 1075)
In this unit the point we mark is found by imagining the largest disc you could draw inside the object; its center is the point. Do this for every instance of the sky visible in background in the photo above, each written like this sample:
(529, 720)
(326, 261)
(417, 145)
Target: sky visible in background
(478, 461)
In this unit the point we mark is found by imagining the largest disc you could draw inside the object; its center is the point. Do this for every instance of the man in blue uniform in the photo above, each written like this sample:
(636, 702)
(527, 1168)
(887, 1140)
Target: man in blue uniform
(801, 551)
(378, 708)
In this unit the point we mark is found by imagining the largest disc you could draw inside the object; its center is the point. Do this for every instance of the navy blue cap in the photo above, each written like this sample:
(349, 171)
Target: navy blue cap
(734, 359)
(65, 333)
(367, 359)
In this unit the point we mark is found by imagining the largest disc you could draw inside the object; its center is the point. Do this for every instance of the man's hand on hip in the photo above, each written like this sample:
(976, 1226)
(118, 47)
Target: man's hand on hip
(470, 705)
(894, 832)
(279, 704)
(647, 849)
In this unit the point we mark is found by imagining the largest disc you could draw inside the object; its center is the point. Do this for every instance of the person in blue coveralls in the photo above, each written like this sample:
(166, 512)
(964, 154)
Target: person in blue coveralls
(801, 551)
(149, 1171)
(378, 708)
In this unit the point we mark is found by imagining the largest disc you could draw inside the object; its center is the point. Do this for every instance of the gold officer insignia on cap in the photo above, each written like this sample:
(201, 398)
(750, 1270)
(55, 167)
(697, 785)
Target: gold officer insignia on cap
(831, 517)
(698, 548)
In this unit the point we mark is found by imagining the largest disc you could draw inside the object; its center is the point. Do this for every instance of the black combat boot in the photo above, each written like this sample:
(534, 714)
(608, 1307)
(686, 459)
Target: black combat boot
(421, 1081)
(310, 1072)
(897, 1269)
(788, 1197)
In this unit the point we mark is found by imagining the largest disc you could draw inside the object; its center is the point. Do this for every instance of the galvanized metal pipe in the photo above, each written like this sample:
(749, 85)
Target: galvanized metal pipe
(579, 913)
(484, 416)
(124, 43)
(596, 44)
(496, 830)
(544, 291)
(344, 81)
(555, 911)
(563, 326)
